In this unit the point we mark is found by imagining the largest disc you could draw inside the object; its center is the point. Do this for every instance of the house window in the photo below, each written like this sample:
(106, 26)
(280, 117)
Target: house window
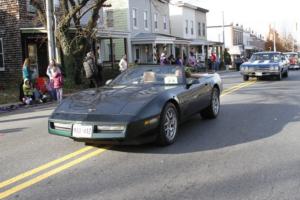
(203, 29)
(134, 17)
(146, 19)
(109, 18)
(186, 26)
(192, 27)
(155, 21)
(199, 29)
(30, 8)
(165, 22)
(1, 55)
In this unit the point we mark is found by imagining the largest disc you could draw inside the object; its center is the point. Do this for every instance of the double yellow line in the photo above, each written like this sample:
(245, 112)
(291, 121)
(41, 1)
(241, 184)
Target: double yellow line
(237, 87)
(70, 159)
(93, 152)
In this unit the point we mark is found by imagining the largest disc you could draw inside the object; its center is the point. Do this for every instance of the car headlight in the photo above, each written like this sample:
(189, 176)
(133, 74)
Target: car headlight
(245, 68)
(111, 128)
(274, 68)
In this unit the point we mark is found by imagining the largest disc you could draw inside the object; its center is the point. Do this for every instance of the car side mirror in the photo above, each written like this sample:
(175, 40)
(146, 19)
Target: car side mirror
(108, 82)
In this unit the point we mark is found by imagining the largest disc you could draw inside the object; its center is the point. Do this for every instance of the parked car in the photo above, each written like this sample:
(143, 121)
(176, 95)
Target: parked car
(293, 60)
(143, 104)
(265, 64)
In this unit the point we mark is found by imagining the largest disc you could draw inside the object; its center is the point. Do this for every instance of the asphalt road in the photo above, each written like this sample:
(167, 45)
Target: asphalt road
(251, 151)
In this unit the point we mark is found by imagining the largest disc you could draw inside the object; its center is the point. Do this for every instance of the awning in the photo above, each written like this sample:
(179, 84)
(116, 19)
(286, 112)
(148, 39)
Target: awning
(33, 30)
(152, 38)
(197, 42)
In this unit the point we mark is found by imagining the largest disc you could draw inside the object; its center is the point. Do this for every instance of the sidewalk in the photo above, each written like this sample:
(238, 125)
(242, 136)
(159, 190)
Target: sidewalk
(4, 108)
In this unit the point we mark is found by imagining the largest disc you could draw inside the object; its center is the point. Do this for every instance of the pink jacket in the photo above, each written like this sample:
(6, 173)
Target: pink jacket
(57, 80)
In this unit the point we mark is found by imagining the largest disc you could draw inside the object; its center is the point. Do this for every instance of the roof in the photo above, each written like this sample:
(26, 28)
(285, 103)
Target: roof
(149, 38)
(268, 52)
(189, 5)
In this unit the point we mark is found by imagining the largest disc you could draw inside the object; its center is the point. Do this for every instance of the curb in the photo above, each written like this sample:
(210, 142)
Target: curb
(5, 108)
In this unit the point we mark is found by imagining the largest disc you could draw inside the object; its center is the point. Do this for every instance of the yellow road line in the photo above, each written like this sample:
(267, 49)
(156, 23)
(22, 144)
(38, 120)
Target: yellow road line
(238, 86)
(233, 89)
(52, 172)
(43, 167)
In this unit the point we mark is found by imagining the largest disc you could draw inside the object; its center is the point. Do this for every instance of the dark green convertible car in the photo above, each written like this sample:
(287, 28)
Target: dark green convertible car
(143, 104)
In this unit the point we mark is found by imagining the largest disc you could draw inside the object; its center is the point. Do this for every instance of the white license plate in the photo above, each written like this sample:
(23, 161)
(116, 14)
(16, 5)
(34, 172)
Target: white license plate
(258, 73)
(82, 131)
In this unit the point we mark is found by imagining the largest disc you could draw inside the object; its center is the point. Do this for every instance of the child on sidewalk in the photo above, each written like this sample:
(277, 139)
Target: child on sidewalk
(58, 83)
(28, 92)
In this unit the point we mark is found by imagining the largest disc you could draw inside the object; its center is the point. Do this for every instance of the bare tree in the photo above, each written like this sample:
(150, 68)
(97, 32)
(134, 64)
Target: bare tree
(73, 38)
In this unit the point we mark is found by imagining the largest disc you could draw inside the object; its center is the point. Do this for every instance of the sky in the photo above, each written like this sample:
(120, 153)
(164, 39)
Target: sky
(254, 14)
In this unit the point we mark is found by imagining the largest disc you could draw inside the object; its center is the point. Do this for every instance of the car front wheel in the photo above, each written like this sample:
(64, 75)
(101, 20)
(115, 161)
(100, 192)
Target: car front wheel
(245, 78)
(213, 109)
(168, 125)
(279, 76)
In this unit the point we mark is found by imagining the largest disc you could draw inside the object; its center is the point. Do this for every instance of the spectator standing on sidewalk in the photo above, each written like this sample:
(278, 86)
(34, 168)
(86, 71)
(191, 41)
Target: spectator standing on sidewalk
(238, 61)
(123, 65)
(57, 83)
(50, 67)
(213, 59)
(227, 59)
(26, 70)
(99, 65)
(26, 74)
(90, 68)
(179, 61)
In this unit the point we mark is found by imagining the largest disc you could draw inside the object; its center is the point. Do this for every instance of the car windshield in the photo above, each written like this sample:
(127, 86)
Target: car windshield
(163, 75)
(265, 57)
(291, 55)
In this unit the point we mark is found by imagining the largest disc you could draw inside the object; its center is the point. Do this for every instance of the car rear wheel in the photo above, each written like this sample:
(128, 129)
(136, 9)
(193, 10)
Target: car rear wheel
(168, 125)
(245, 78)
(213, 109)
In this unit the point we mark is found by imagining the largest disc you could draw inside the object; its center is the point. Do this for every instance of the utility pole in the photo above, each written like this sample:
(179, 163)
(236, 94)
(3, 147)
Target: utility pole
(274, 40)
(50, 29)
(223, 28)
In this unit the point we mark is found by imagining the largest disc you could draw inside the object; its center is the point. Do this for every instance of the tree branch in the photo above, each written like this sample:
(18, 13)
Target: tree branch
(92, 23)
(75, 17)
(40, 11)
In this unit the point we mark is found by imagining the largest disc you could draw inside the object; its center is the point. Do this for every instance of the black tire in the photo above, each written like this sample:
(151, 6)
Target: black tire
(168, 129)
(245, 78)
(279, 77)
(286, 74)
(212, 111)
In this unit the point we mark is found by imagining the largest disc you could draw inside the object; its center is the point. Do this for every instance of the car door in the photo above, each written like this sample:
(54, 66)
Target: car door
(193, 98)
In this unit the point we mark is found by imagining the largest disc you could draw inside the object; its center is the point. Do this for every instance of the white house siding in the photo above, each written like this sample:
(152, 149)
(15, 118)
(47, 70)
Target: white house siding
(189, 14)
(140, 6)
(176, 20)
(162, 9)
(200, 18)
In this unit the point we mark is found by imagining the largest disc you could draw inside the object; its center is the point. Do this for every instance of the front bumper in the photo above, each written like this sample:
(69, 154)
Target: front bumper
(294, 67)
(133, 132)
(259, 73)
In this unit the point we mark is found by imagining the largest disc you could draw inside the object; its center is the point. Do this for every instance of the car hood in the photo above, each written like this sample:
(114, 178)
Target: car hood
(260, 63)
(125, 100)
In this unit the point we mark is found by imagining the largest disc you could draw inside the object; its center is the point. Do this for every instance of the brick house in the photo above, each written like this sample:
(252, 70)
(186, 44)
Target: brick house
(21, 36)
